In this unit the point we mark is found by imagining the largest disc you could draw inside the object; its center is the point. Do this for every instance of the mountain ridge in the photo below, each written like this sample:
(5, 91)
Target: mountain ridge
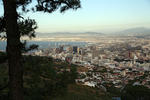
(138, 31)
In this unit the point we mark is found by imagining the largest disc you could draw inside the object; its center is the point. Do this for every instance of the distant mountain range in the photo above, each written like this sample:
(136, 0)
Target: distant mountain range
(139, 31)
(69, 34)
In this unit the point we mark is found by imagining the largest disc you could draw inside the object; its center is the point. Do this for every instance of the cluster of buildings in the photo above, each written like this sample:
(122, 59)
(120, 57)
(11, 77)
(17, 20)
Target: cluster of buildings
(112, 63)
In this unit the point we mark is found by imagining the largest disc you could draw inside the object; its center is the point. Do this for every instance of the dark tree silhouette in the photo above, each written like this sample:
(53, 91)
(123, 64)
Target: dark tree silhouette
(26, 28)
(13, 35)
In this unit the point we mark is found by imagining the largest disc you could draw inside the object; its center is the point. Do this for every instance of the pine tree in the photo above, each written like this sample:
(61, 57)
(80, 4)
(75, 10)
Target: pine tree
(13, 35)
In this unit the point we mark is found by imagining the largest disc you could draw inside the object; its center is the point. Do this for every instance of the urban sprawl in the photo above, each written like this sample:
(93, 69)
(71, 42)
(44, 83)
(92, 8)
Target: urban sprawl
(114, 61)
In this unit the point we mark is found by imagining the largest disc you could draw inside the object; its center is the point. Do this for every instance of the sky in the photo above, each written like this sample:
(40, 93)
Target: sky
(104, 16)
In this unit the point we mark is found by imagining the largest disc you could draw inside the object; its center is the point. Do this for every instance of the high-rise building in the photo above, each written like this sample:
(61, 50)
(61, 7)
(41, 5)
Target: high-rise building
(78, 50)
(75, 49)
(61, 48)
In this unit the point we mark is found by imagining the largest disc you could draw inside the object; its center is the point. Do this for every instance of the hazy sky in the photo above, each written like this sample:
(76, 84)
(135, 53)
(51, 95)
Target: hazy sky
(97, 15)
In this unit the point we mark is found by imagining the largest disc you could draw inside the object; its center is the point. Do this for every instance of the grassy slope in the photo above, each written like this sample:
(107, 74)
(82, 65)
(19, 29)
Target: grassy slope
(80, 92)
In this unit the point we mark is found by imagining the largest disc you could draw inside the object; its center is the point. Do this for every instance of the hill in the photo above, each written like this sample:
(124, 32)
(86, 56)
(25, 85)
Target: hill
(68, 34)
(46, 78)
(80, 92)
(139, 31)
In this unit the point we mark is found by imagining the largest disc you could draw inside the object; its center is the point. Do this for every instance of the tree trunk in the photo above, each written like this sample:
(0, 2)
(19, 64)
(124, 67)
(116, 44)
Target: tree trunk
(13, 51)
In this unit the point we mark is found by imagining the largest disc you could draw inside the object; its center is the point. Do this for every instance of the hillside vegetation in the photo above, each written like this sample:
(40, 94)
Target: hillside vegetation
(49, 79)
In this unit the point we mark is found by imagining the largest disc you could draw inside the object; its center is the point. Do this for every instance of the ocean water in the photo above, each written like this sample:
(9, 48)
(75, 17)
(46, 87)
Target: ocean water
(47, 44)
(3, 45)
